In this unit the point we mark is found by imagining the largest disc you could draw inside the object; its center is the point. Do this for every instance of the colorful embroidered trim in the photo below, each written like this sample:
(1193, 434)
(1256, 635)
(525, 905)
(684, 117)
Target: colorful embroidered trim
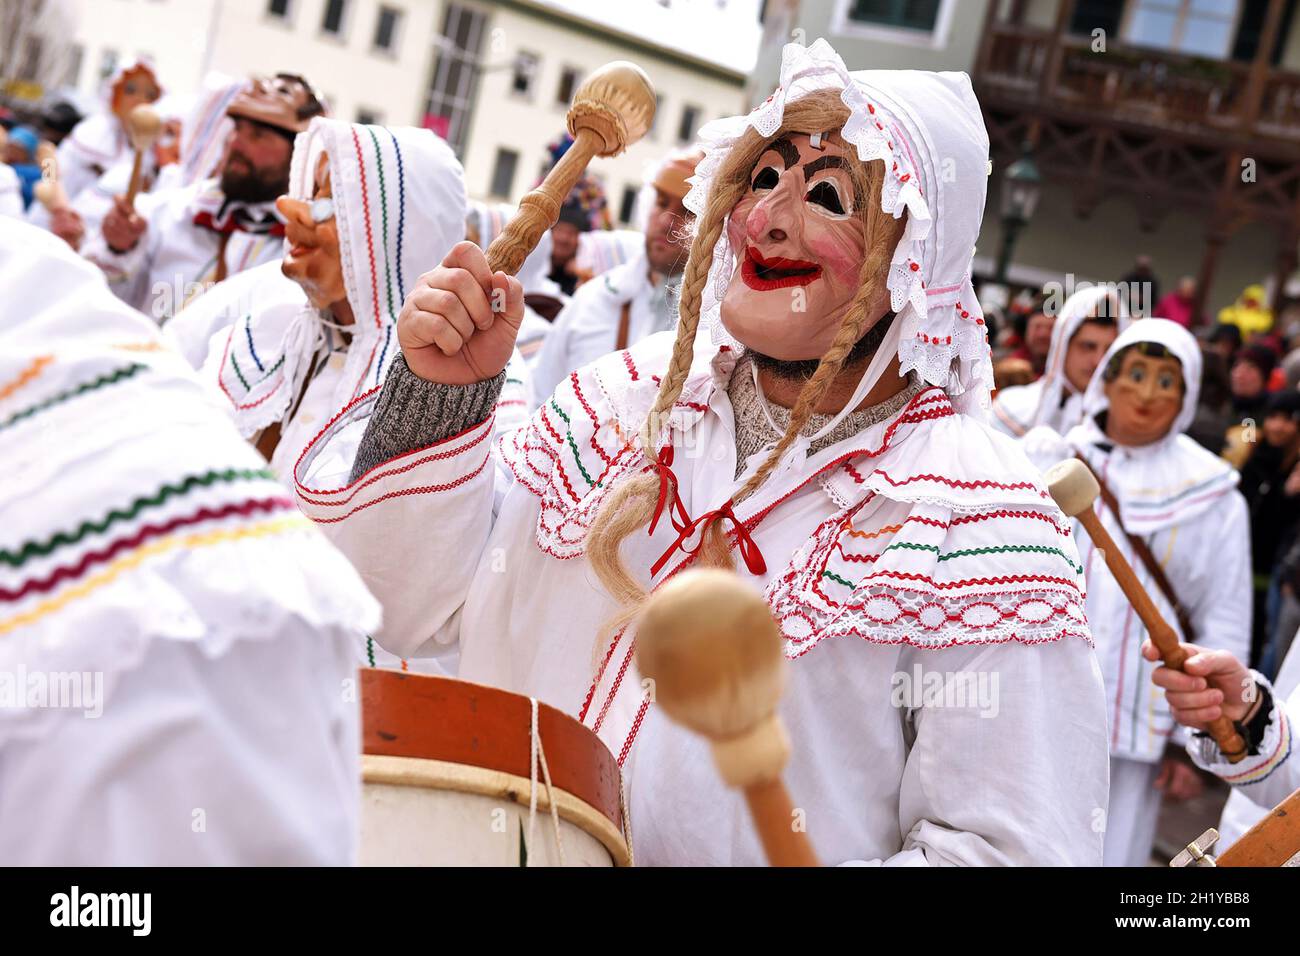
(1274, 760)
(188, 542)
(102, 381)
(29, 374)
(40, 549)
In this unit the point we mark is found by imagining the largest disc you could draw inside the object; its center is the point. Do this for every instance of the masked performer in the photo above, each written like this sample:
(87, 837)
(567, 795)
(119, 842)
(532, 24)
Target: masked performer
(156, 579)
(816, 420)
(367, 205)
(100, 142)
(178, 242)
(1089, 321)
(1175, 510)
(631, 301)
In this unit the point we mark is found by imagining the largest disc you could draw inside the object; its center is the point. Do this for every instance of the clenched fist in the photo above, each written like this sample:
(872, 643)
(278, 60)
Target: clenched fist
(1211, 684)
(122, 227)
(458, 325)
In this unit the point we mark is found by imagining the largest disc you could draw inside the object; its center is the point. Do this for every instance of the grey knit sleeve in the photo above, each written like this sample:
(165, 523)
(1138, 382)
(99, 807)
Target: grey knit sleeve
(414, 413)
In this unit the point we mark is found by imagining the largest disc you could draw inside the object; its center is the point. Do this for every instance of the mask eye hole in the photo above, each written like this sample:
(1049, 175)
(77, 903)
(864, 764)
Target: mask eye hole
(766, 178)
(826, 195)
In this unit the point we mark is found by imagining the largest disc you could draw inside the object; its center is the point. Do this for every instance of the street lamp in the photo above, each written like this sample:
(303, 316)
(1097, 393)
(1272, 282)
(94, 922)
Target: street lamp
(1021, 186)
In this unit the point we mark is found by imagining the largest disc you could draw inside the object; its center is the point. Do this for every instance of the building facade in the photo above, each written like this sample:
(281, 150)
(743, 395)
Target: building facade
(1169, 128)
(494, 77)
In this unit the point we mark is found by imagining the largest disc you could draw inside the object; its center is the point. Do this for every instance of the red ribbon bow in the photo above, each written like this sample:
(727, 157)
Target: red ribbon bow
(668, 483)
(748, 548)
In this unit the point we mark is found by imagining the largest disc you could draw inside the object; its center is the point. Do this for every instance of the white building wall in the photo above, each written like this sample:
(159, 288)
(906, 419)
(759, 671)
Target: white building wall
(504, 119)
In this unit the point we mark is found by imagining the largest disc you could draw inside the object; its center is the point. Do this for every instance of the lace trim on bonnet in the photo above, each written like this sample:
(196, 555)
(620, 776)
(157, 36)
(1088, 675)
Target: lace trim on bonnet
(943, 336)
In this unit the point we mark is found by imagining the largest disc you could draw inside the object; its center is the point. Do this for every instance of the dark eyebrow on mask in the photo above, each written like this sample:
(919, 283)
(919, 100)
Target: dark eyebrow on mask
(830, 162)
(789, 154)
(823, 162)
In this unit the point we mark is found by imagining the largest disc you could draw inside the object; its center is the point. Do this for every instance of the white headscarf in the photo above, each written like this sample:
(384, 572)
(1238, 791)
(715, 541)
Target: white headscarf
(1059, 407)
(205, 129)
(1170, 480)
(928, 130)
(130, 512)
(399, 201)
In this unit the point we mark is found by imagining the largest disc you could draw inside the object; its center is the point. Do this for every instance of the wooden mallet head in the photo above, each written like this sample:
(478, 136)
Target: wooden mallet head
(709, 643)
(143, 125)
(612, 109)
(617, 102)
(1072, 486)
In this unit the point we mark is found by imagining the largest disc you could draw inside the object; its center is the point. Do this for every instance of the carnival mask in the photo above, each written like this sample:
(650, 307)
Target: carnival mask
(1145, 398)
(135, 87)
(799, 242)
(311, 232)
(285, 101)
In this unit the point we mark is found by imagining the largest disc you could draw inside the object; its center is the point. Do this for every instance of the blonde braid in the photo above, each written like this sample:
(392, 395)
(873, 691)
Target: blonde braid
(631, 504)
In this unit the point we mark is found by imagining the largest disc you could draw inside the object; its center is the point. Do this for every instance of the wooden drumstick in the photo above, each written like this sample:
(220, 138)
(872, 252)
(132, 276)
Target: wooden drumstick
(611, 110)
(49, 191)
(142, 127)
(709, 643)
(1074, 488)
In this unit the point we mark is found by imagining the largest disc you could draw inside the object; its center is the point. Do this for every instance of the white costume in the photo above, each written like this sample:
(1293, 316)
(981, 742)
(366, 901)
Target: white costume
(98, 142)
(1183, 502)
(1051, 400)
(191, 230)
(199, 629)
(923, 542)
(1241, 813)
(392, 225)
(587, 328)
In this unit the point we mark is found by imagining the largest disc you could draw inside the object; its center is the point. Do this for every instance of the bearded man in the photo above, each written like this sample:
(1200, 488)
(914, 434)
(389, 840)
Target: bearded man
(892, 532)
(179, 242)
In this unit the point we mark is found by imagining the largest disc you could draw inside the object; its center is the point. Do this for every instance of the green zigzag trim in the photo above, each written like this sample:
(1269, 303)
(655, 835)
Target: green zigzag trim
(572, 444)
(34, 549)
(111, 378)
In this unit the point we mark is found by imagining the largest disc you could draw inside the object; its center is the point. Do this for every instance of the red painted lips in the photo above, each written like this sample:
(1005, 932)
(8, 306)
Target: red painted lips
(763, 274)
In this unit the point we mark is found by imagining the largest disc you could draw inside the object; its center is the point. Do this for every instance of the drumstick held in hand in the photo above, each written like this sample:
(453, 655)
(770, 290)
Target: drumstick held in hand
(1074, 488)
(611, 110)
(709, 643)
(143, 125)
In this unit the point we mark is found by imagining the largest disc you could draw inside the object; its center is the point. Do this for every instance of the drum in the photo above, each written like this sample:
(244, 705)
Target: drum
(448, 770)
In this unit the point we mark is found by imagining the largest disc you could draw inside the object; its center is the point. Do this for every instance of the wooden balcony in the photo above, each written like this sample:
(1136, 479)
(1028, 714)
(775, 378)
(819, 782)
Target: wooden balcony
(1200, 99)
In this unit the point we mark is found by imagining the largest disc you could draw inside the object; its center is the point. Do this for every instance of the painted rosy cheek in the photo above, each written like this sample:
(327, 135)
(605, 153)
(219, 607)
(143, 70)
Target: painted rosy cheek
(839, 253)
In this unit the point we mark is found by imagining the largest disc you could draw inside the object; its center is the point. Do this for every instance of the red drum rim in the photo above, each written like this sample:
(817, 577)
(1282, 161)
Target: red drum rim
(455, 721)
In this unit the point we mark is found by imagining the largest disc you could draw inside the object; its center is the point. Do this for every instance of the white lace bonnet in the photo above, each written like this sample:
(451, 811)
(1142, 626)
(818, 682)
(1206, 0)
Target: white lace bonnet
(927, 129)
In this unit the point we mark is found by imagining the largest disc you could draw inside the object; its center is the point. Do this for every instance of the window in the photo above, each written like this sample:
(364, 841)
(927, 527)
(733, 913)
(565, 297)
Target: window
(653, 132)
(455, 75)
(386, 28)
(278, 8)
(569, 77)
(73, 70)
(503, 173)
(333, 21)
(369, 117)
(107, 63)
(690, 120)
(906, 14)
(628, 204)
(1198, 27)
(525, 72)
